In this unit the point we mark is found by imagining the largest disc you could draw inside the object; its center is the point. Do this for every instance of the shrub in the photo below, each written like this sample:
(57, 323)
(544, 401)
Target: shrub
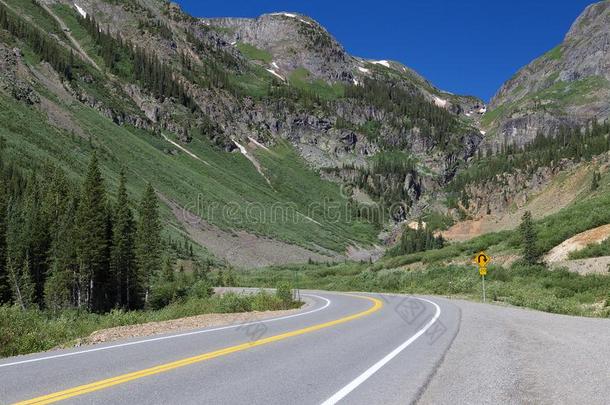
(284, 293)
(201, 289)
(164, 294)
(231, 302)
(263, 301)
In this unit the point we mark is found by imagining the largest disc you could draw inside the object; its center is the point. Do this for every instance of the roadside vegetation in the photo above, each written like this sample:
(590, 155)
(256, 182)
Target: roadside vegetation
(73, 260)
(526, 283)
(34, 330)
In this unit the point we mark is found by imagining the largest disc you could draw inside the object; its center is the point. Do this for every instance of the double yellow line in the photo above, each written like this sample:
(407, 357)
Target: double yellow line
(121, 379)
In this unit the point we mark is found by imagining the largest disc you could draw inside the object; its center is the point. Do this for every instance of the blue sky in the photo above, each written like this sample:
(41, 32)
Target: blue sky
(466, 47)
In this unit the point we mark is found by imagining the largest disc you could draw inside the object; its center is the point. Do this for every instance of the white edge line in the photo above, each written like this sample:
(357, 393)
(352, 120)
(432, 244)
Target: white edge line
(368, 373)
(98, 349)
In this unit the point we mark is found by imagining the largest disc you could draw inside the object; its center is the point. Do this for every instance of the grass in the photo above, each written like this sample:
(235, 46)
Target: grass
(23, 332)
(577, 92)
(557, 291)
(527, 286)
(253, 53)
(38, 16)
(492, 115)
(254, 83)
(229, 180)
(592, 250)
(554, 54)
(560, 93)
(300, 78)
(79, 33)
(371, 130)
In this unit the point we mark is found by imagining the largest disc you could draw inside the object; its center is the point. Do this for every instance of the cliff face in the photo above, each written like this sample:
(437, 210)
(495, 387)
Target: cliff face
(569, 85)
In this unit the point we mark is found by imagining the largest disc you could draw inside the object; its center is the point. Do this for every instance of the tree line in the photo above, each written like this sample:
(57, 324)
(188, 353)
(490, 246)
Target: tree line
(63, 246)
(545, 150)
(434, 123)
(134, 63)
(40, 42)
(419, 240)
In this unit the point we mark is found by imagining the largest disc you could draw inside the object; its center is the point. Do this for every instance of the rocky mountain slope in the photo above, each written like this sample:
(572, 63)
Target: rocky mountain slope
(229, 112)
(569, 85)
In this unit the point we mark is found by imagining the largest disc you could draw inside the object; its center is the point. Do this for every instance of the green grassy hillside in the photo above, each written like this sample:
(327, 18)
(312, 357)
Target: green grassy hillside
(228, 178)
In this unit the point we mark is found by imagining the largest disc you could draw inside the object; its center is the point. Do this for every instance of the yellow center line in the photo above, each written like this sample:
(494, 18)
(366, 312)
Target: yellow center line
(121, 379)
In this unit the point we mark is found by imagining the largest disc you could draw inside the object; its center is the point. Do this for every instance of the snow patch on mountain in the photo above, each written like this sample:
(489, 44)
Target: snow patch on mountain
(290, 15)
(381, 62)
(439, 101)
(82, 12)
(363, 70)
(276, 74)
(252, 159)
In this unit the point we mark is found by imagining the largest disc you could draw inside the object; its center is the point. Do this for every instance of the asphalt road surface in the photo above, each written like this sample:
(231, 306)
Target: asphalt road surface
(348, 348)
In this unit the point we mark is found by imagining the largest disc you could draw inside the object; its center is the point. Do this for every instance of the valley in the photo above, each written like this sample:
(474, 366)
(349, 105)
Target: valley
(239, 209)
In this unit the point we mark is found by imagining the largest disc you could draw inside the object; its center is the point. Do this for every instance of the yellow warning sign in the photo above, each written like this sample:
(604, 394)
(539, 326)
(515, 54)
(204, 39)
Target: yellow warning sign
(482, 259)
(483, 271)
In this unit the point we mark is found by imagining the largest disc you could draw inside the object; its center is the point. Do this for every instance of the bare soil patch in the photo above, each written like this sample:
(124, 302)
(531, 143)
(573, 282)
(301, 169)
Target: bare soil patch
(179, 325)
(594, 265)
(577, 242)
(243, 249)
(560, 193)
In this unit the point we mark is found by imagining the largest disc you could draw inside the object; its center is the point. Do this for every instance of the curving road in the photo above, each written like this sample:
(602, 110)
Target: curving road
(373, 348)
(348, 348)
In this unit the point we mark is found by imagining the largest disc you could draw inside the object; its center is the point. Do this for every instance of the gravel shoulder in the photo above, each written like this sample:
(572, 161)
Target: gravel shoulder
(517, 356)
(181, 325)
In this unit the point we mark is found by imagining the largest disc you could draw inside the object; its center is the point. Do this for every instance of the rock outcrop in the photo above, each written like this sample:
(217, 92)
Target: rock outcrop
(569, 85)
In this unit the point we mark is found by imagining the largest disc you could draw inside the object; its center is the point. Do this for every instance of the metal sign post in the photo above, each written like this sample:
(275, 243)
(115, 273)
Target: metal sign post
(482, 259)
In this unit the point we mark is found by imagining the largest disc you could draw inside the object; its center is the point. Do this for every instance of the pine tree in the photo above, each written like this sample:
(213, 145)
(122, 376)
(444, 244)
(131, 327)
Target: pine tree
(595, 181)
(36, 234)
(168, 274)
(60, 204)
(58, 288)
(148, 240)
(128, 288)
(92, 232)
(529, 239)
(21, 283)
(4, 285)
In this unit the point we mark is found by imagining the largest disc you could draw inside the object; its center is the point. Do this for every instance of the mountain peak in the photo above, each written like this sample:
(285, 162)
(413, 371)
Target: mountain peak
(567, 86)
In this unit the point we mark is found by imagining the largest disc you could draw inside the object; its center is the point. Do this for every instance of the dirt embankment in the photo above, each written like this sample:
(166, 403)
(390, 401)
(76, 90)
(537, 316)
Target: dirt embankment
(578, 242)
(551, 193)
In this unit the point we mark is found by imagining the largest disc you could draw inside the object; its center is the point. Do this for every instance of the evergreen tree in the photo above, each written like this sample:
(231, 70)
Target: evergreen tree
(128, 288)
(92, 231)
(148, 240)
(36, 235)
(21, 283)
(418, 240)
(5, 292)
(168, 271)
(529, 239)
(58, 288)
(60, 205)
(595, 181)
